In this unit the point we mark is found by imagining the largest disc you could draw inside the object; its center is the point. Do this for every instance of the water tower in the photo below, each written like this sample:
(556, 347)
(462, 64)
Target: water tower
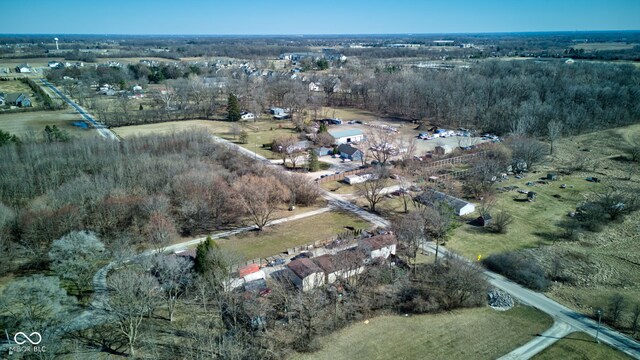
(56, 39)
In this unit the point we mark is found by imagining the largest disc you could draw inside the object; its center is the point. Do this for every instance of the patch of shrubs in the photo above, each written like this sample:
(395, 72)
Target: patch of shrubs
(517, 267)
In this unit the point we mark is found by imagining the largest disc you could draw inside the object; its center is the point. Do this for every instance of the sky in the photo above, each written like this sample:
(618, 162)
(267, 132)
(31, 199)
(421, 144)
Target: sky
(275, 17)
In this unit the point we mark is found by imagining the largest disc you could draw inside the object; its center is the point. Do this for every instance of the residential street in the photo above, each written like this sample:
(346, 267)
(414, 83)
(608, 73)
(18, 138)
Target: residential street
(559, 312)
(102, 130)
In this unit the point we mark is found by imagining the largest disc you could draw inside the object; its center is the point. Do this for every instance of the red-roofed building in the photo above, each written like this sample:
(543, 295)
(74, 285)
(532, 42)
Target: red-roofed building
(251, 272)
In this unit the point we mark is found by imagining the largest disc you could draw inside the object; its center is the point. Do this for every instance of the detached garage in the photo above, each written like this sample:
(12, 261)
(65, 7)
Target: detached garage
(459, 206)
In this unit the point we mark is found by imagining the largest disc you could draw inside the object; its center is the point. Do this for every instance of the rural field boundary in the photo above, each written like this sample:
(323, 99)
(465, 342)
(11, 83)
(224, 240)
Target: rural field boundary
(342, 175)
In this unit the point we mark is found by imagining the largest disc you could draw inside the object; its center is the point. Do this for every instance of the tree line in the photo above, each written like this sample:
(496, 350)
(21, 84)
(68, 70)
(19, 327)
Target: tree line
(144, 191)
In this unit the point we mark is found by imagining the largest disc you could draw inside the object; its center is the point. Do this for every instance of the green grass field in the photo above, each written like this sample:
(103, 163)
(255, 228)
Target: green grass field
(577, 346)
(33, 123)
(534, 223)
(480, 333)
(276, 239)
(172, 126)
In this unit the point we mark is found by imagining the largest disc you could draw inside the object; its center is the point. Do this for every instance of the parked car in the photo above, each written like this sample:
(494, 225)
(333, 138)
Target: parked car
(301, 256)
(276, 262)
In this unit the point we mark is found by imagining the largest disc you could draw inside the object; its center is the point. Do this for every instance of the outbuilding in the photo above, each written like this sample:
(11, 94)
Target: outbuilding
(459, 206)
(305, 274)
(380, 246)
(347, 136)
(443, 150)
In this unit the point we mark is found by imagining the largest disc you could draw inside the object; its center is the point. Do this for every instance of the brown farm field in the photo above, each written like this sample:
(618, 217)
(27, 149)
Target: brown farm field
(34, 122)
(480, 333)
(606, 46)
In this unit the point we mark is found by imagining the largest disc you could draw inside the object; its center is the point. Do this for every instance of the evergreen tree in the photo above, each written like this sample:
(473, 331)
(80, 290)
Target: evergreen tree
(6, 138)
(314, 163)
(233, 108)
(323, 128)
(202, 264)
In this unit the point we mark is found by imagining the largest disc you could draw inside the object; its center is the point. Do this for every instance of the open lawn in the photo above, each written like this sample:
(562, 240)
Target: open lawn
(534, 223)
(276, 239)
(480, 333)
(260, 133)
(212, 127)
(577, 346)
(34, 122)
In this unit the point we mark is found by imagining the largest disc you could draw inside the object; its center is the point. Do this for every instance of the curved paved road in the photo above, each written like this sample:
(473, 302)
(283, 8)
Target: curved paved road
(561, 313)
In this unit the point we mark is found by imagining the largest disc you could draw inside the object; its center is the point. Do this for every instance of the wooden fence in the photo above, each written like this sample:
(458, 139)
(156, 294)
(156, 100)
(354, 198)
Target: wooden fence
(454, 160)
(342, 175)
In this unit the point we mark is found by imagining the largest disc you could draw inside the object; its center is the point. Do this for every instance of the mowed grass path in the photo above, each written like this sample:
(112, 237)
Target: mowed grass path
(480, 333)
(580, 346)
(278, 238)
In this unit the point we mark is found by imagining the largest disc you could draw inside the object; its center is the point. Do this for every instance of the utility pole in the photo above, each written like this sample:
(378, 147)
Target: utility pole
(599, 312)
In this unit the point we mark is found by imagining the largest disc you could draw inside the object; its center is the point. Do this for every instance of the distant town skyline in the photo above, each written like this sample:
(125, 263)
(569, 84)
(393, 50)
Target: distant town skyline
(285, 17)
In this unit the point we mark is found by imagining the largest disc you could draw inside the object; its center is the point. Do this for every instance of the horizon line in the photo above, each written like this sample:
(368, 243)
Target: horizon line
(330, 34)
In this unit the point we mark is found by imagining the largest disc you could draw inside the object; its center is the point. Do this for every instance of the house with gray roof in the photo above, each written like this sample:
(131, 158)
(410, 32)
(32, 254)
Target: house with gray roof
(460, 207)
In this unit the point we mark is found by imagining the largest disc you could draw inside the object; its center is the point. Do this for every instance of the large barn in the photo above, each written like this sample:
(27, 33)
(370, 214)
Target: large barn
(347, 136)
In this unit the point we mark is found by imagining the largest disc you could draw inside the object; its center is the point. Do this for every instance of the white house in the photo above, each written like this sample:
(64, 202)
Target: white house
(328, 265)
(314, 87)
(247, 116)
(23, 68)
(347, 136)
(380, 246)
(305, 274)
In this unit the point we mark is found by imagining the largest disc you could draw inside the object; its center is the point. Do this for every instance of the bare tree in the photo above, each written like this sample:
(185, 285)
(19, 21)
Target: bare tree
(174, 275)
(75, 256)
(554, 132)
(410, 231)
(617, 305)
(285, 145)
(371, 189)
(236, 130)
(528, 150)
(382, 144)
(635, 316)
(160, 230)
(407, 146)
(130, 296)
(260, 197)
